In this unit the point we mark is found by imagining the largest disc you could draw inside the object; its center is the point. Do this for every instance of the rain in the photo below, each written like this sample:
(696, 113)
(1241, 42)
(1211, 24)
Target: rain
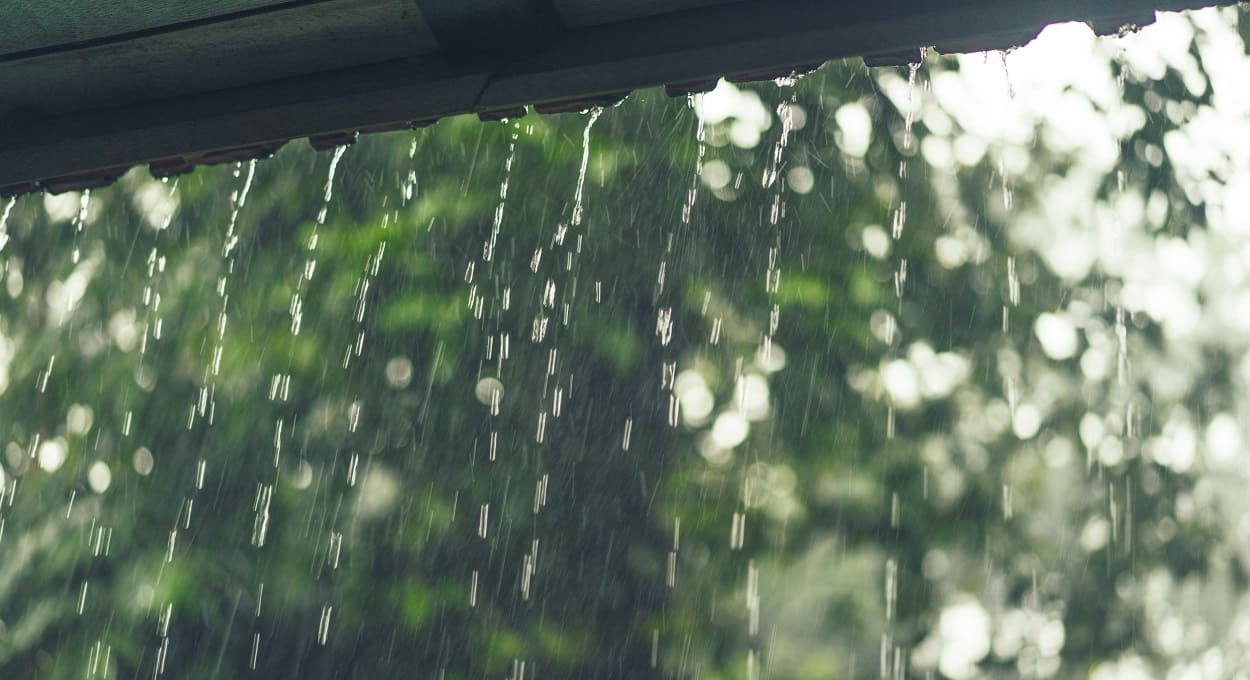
(930, 370)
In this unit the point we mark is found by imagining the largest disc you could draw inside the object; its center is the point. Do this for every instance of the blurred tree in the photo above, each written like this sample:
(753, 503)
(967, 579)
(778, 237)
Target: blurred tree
(771, 388)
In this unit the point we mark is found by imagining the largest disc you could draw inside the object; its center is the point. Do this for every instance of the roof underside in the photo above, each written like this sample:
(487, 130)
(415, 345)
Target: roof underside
(91, 89)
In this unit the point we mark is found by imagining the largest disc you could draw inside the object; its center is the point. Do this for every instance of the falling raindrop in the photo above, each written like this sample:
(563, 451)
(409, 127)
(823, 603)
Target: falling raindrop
(581, 173)
(4, 221)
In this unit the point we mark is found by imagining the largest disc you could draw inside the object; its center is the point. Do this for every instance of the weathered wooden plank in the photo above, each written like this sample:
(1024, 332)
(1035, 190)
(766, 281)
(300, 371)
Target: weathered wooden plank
(278, 44)
(27, 25)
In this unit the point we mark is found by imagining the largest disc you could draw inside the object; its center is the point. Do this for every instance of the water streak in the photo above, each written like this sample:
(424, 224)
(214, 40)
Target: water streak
(4, 221)
(581, 173)
(80, 220)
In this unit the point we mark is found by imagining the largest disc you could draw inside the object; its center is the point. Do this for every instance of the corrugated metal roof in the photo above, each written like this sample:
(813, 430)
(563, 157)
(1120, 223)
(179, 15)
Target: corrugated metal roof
(91, 89)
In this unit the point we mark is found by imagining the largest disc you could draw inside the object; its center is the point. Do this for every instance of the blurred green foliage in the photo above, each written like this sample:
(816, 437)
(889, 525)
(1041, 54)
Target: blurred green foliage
(361, 449)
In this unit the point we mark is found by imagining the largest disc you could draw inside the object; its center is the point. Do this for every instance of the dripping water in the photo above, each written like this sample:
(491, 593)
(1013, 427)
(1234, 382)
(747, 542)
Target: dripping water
(79, 221)
(4, 221)
(581, 173)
